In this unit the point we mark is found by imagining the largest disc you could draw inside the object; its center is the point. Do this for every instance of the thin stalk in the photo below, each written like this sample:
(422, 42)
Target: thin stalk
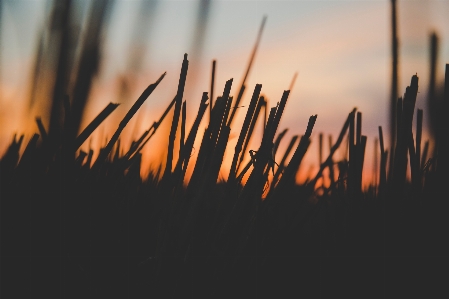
(93, 125)
(174, 125)
(146, 93)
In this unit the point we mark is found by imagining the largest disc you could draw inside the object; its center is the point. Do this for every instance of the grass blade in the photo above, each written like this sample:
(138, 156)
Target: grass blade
(146, 93)
(93, 125)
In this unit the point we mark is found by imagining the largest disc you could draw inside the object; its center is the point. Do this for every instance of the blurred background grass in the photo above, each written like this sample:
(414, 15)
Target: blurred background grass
(340, 49)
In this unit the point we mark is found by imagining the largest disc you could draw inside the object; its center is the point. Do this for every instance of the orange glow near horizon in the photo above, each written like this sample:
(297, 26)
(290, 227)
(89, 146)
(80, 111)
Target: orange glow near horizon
(340, 51)
(154, 153)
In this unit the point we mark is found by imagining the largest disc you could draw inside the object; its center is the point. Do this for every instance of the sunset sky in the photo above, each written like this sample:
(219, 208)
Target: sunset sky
(340, 49)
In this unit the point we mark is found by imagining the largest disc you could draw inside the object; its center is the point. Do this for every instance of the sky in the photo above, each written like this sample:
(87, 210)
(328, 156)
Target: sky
(340, 50)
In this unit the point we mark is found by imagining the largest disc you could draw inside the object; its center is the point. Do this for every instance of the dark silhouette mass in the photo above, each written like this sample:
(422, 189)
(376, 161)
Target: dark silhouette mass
(77, 227)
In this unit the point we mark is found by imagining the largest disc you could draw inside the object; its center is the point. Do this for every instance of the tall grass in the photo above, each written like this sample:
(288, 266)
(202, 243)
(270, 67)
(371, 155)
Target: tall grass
(72, 227)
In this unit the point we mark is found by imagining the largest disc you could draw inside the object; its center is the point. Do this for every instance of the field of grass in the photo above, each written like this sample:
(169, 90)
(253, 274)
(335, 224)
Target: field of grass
(77, 227)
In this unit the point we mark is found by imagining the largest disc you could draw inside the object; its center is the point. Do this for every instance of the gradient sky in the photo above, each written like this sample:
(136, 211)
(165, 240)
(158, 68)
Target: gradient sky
(340, 49)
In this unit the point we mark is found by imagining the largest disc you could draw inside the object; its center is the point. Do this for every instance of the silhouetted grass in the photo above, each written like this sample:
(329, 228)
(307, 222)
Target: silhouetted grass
(97, 229)
(159, 231)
